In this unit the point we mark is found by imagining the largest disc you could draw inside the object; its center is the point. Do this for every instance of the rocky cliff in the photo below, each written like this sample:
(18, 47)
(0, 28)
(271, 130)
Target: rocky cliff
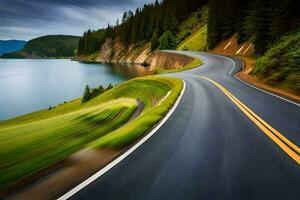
(115, 52)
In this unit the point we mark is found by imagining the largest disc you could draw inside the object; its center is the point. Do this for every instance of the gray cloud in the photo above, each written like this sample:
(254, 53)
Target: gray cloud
(20, 19)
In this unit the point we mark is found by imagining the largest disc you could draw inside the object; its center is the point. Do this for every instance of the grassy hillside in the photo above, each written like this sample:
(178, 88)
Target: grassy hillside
(32, 142)
(280, 65)
(51, 46)
(196, 41)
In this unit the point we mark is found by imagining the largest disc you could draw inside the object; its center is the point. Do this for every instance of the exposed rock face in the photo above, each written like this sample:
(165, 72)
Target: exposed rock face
(115, 52)
(163, 60)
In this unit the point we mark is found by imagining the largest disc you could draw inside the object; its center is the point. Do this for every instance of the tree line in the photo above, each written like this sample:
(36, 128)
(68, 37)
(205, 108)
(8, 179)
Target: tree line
(92, 93)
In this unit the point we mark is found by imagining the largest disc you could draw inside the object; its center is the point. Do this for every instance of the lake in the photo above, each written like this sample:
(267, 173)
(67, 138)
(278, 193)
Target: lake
(28, 85)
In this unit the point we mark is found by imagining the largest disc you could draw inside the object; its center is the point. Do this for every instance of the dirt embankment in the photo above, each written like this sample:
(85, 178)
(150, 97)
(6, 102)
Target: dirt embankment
(245, 52)
(232, 47)
(115, 52)
(72, 171)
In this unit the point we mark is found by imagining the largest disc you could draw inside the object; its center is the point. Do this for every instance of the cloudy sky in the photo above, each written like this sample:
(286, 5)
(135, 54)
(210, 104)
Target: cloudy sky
(27, 19)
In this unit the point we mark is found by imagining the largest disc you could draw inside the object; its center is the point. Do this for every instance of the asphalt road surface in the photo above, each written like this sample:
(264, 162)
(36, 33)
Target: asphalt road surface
(210, 148)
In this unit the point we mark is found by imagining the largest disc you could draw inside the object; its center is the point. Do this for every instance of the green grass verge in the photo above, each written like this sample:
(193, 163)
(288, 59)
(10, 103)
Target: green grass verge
(25, 149)
(196, 41)
(193, 64)
(32, 142)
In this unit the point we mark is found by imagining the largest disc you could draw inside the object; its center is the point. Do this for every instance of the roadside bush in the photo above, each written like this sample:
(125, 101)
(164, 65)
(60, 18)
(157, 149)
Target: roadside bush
(167, 41)
(280, 65)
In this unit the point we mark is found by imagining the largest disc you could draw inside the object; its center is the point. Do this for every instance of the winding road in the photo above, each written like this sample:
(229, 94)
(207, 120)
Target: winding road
(225, 140)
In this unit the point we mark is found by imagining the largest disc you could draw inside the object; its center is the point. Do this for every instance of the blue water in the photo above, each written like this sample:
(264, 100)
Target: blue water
(28, 85)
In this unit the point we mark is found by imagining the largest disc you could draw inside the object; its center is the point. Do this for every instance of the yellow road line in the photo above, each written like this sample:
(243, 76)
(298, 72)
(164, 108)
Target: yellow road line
(286, 145)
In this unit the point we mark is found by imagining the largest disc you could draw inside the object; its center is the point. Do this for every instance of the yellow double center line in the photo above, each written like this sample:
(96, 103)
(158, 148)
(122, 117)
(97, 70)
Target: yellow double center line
(290, 148)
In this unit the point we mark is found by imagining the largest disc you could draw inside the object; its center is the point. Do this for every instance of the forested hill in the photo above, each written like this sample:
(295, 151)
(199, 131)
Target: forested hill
(51, 46)
(262, 22)
(142, 25)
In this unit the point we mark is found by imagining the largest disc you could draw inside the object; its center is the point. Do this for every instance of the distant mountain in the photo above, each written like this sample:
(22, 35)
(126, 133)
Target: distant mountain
(7, 46)
(50, 46)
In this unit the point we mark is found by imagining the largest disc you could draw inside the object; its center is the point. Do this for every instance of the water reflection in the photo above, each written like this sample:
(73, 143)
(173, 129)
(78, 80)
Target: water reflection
(129, 70)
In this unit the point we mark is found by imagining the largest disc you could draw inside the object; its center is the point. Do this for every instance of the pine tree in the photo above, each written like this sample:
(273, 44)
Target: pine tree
(281, 14)
(214, 26)
(110, 86)
(182, 10)
(86, 94)
(228, 18)
(257, 25)
(80, 48)
(241, 11)
(154, 41)
(125, 17)
(170, 23)
(136, 27)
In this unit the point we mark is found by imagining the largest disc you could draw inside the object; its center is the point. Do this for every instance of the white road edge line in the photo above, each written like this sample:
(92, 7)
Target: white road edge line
(275, 95)
(272, 94)
(127, 153)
